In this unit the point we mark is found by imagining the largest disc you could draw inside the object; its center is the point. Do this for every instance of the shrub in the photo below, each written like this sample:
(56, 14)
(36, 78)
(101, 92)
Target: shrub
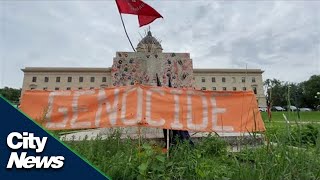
(305, 135)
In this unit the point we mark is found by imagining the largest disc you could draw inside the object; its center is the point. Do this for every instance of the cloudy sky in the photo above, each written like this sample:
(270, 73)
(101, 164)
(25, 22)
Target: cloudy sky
(280, 37)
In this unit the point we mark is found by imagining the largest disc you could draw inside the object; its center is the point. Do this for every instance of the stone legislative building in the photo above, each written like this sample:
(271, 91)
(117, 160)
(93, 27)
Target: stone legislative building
(148, 65)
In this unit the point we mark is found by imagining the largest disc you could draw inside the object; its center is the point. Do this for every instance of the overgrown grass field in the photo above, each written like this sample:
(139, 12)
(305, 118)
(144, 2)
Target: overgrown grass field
(291, 151)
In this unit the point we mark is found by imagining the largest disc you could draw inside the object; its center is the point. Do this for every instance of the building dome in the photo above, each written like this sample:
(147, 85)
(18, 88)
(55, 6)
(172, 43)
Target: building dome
(149, 44)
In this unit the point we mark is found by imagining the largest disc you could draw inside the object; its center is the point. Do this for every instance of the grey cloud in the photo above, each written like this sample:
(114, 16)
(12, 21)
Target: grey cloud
(201, 11)
(219, 34)
(217, 49)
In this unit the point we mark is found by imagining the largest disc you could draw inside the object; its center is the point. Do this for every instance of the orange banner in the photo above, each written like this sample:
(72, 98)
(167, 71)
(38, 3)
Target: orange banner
(148, 106)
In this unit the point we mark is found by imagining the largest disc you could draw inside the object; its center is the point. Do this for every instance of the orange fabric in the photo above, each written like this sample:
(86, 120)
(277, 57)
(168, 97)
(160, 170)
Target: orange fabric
(169, 108)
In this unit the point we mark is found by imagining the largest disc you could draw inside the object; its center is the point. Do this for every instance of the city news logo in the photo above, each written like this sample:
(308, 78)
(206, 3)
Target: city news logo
(26, 141)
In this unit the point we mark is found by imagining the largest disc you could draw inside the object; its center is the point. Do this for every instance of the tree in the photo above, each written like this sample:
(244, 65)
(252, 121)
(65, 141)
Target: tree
(301, 95)
(309, 90)
(11, 94)
(276, 92)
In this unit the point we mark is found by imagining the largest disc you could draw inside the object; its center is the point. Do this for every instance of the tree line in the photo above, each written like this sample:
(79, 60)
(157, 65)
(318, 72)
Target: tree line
(303, 94)
(11, 94)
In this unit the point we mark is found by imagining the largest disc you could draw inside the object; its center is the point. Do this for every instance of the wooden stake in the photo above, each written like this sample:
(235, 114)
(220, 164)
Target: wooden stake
(139, 138)
(168, 143)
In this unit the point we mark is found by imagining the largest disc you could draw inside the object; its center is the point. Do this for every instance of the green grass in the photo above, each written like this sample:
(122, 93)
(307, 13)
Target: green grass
(313, 116)
(291, 152)
(209, 159)
(305, 127)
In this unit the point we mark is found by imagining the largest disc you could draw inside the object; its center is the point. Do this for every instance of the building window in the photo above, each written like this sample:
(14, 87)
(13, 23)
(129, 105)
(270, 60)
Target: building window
(92, 79)
(223, 79)
(254, 90)
(45, 88)
(57, 79)
(203, 79)
(224, 88)
(244, 88)
(213, 79)
(69, 79)
(56, 88)
(91, 87)
(203, 88)
(68, 88)
(253, 79)
(80, 88)
(234, 88)
(34, 79)
(32, 88)
(233, 79)
(80, 79)
(214, 88)
(243, 79)
(46, 79)
(104, 79)
(103, 86)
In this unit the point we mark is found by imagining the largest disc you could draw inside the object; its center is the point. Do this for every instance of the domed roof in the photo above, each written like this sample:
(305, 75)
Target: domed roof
(149, 43)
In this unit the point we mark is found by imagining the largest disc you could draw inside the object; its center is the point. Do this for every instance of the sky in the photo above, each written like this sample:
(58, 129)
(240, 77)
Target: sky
(280, 37)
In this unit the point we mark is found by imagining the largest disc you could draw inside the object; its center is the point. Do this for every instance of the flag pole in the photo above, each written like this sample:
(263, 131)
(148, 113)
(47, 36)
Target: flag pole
(167, 133)
(125, 30)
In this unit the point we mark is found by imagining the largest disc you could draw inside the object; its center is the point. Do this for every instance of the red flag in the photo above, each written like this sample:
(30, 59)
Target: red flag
(146, 14)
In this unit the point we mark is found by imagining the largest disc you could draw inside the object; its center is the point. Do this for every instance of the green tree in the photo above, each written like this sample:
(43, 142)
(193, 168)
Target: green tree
(309, 90)
(301, 95)
(11, 94)
(276, 92)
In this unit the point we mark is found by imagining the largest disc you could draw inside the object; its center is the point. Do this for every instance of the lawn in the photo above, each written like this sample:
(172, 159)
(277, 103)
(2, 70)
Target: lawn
(278, 128)
(313, 116)
(291, 152)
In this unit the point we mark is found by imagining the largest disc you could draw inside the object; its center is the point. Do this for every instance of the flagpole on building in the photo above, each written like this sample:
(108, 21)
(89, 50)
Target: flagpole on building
(125, 30)
(146, 14)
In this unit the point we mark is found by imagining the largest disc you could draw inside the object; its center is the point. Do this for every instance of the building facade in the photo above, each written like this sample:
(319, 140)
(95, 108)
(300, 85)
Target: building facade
(142, 67)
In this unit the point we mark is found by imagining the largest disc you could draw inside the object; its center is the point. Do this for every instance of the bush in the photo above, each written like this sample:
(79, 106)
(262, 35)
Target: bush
(213, 146)
(305, 135)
